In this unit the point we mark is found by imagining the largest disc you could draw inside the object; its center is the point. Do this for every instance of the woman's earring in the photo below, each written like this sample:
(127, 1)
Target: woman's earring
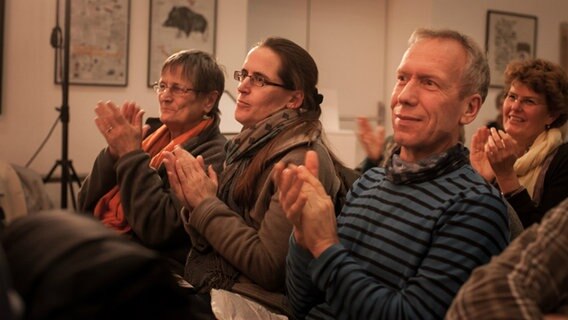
(547, 127)
(205, 116)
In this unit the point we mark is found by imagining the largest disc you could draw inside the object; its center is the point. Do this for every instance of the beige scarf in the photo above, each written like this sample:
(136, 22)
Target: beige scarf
(528, 166)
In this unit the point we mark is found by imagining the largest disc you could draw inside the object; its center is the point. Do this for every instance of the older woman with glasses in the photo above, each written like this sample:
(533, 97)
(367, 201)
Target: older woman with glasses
(238, 229)
(128, 189)
(529, 159)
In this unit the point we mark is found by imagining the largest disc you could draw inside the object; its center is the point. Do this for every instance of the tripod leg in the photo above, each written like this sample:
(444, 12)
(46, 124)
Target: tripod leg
(50, 173)
(74, 175)
(72, 190)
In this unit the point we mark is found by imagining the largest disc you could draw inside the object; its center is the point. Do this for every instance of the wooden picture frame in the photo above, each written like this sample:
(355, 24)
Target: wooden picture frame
(564, 46)
(99, 43)
(509, 36)
(2, 9)
(179, 25)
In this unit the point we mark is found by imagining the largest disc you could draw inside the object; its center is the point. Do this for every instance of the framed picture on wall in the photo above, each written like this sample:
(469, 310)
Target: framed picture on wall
(98, 47)
(564, 45)
(179, 25)
(509, 36)
(1, 50)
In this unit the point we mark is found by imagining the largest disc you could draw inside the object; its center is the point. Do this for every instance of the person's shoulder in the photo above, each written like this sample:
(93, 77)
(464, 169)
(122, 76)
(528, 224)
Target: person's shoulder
(374, 173)
(295, 153)
(210, 146)
(467, 172)
(471, 182)
(218, 138)
(214, 133)
(473, 189)
(477, 199)
(370, 178)
(563, 150)
(557, 216)
(560, 158)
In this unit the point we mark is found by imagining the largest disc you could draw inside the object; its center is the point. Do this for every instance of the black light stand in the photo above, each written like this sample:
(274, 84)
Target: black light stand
(68, 174)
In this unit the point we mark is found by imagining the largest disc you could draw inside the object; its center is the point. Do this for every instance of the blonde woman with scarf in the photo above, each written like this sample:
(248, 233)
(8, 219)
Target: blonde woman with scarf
(529, 159)
(128, 189)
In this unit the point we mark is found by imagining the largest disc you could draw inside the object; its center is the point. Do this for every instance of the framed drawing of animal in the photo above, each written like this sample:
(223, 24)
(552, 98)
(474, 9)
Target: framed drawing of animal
(179, 25)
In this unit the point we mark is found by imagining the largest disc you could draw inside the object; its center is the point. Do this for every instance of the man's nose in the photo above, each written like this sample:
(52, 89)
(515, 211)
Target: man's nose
(408, 94)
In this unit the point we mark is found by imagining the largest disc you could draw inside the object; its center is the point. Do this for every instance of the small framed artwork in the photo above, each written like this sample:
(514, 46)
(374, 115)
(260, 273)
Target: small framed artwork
(179, 25)
(1, 48)
(99, 40)
(564, 45)
(509, 36)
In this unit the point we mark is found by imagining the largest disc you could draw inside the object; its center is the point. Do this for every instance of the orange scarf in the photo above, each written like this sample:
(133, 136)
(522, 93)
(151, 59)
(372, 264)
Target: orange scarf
(109, 208)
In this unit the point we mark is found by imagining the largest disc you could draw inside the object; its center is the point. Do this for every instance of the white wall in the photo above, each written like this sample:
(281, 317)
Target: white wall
(347, 41)
(357, 44)
(288, 19)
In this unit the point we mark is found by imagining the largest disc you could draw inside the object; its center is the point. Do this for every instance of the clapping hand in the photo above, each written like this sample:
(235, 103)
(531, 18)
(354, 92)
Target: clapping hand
(502, 151)
(121, 127)
(188, 179)
(373, 142)
(478, 157)
(306, 204)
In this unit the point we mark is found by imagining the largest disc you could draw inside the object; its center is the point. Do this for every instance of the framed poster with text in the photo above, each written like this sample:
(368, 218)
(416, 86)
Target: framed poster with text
(98, 48)
(509, 36)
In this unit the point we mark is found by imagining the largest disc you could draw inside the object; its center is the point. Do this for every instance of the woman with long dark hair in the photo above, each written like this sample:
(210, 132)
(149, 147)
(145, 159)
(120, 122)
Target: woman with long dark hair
(238, 230)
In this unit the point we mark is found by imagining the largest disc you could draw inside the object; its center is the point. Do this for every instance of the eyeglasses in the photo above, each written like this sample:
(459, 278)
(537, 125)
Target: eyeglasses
(523, 101)
(175, 90)
(256, 79)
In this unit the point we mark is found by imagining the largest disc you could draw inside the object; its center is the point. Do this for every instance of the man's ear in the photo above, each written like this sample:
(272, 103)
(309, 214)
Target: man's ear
(296, 99)
(471, 110)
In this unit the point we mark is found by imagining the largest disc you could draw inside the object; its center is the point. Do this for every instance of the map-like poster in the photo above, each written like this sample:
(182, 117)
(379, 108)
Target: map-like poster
(99, 43)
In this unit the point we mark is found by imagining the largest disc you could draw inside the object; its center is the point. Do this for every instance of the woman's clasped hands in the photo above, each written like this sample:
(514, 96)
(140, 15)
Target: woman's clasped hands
(493, 152)
(189, 179)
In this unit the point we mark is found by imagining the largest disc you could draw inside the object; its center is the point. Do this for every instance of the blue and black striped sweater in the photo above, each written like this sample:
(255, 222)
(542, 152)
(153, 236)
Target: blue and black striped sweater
(405, 248)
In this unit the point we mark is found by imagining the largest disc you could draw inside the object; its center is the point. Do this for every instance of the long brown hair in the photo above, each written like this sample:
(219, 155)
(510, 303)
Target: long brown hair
(299, 71)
